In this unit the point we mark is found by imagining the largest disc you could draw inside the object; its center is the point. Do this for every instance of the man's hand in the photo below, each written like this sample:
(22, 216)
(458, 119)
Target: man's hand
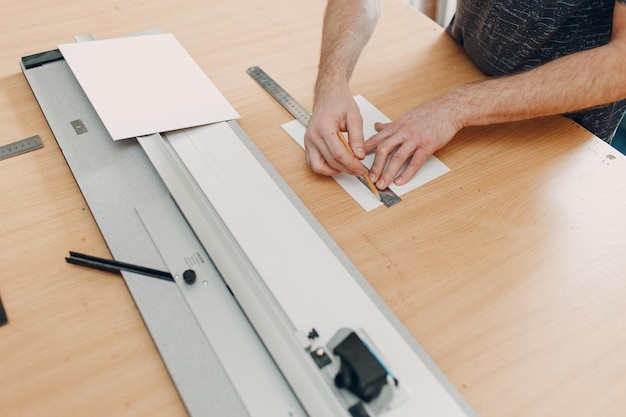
(348, 25)
(410, 139)
(325, 153)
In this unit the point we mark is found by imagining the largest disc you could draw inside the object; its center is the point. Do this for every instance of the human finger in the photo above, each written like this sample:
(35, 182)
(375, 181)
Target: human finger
(384, 143)
(331, 154)
(316, 161)
(415, 163)
(341, 155)
(354, 129)
(391, 155)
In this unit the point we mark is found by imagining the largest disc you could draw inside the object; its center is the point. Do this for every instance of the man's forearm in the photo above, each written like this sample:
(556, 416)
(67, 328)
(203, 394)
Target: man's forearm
(575, 82)
(348, 25)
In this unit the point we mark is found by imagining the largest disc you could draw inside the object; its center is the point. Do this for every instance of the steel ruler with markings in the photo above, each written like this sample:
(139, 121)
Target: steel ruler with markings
(297, 110)
(20, 147)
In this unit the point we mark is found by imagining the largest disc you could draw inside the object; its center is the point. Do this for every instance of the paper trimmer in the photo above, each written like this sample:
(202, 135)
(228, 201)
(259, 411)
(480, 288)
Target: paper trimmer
(263, 330)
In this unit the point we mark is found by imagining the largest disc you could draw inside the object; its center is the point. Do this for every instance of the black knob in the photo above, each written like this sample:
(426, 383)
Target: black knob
(189, 276)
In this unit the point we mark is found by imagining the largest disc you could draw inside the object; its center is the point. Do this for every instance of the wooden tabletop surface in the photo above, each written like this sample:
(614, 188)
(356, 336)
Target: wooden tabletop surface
(509, 270)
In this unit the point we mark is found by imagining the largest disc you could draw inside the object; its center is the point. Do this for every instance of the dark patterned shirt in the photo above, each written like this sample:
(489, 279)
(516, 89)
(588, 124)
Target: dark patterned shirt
(508, 36)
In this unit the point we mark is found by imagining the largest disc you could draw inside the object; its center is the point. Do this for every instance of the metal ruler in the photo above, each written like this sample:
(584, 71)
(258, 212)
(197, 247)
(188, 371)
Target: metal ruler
(285, 99)
(19, 147)
(297, 110)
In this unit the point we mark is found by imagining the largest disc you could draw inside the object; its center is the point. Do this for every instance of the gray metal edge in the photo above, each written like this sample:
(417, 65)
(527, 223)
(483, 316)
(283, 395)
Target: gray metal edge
(114, 178)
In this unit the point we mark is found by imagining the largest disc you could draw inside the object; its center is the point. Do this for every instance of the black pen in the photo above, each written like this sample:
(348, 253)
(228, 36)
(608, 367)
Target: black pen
(115, 266)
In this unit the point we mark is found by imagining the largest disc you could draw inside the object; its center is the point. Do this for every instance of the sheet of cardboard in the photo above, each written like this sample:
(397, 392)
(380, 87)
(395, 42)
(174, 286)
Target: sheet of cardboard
(432, 169)
(148, 84)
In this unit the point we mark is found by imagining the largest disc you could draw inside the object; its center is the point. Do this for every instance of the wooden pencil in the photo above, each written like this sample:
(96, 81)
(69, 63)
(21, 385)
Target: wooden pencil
(366, 172)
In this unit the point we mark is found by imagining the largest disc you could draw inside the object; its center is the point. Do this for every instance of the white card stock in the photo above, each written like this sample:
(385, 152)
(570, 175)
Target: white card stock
(431, 169)
(148, 84)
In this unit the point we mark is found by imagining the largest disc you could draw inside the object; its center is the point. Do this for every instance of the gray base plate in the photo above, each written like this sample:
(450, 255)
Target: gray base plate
(115, 177)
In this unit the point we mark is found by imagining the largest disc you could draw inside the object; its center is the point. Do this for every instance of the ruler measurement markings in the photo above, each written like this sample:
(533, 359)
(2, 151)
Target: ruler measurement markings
(281, 95)
(21, 146)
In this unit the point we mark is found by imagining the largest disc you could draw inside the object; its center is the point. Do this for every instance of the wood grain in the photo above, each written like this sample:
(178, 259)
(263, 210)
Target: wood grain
(509, 270)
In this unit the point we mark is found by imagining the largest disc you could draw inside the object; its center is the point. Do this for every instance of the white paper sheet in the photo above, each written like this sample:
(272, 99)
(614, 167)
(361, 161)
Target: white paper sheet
(431, 169)
(148, 84)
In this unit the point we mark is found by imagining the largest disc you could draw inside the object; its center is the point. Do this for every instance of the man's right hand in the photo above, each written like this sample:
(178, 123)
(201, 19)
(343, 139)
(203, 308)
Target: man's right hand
(325, 153)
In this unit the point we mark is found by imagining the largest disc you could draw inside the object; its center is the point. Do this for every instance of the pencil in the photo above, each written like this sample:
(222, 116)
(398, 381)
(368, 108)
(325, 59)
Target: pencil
(366, 172)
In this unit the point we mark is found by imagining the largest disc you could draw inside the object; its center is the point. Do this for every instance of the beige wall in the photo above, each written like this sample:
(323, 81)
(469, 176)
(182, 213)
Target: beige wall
(443, 13)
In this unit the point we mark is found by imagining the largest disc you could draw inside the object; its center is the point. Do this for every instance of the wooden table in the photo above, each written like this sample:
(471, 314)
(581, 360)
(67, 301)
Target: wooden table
(509, 270)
